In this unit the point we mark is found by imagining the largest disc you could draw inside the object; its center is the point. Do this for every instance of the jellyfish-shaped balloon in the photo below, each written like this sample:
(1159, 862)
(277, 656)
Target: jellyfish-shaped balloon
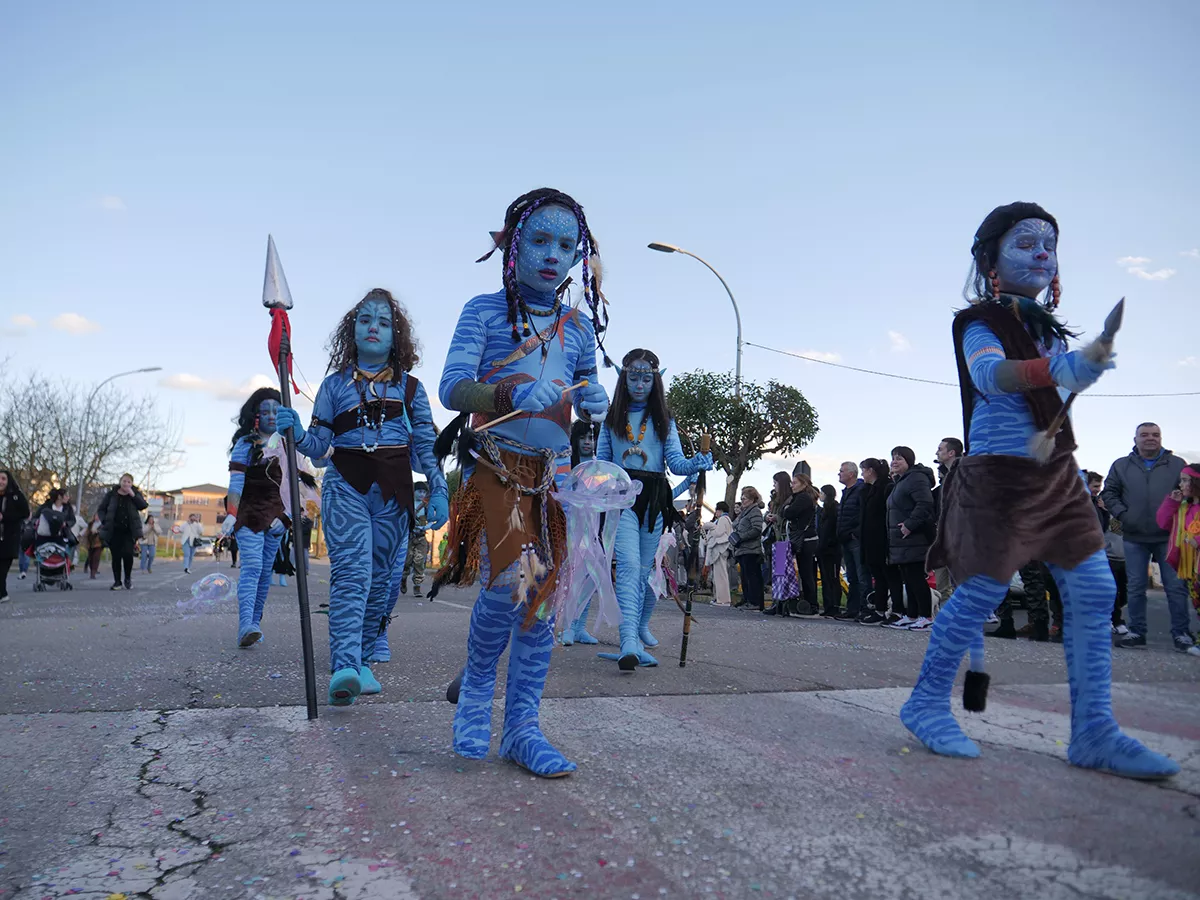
(592, 489)
(207, 592)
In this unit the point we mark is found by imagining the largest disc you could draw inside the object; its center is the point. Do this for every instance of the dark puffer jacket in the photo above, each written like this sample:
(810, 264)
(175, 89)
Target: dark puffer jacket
(108, 511)
(874, 523)
(911, 503)
(14, 510)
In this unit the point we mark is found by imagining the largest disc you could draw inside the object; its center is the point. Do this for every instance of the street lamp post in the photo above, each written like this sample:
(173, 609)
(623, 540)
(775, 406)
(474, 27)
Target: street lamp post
(87, 414)
(671, 248)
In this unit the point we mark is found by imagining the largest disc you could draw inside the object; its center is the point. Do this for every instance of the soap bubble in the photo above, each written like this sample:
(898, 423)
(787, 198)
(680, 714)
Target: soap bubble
(207, 592)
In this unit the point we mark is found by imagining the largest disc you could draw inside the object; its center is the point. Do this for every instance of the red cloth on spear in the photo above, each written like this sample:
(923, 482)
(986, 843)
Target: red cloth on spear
(280, 327)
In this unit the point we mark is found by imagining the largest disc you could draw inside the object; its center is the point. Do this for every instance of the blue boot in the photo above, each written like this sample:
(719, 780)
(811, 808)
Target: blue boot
(491, 624)
(1096, 740)
(249, 636)
(370, 684)
(522, 741)
(344, 686)
(580, 632)
(644, 625)
(382, 652)
(927, 713)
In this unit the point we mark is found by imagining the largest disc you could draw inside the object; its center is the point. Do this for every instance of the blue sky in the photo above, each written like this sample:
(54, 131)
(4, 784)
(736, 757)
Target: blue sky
(832, 161)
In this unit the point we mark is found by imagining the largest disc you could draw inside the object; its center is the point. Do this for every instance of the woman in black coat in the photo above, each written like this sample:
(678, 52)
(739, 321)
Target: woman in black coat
(14, 510)
(875, 544)
(829, 550)
(911, 529)
(121, 527)
(800, 515)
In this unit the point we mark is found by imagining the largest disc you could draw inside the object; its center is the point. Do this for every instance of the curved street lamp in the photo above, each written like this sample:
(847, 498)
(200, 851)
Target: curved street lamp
(671, 248)
(87, 414)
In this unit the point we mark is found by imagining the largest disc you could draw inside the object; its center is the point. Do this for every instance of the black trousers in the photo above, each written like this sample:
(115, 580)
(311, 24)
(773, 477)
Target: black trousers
(752, 579)
(888, 584)
(830, 563)
(910, 576)
(807, 572)
(122, 557)
(1118, 570)
(5, 564)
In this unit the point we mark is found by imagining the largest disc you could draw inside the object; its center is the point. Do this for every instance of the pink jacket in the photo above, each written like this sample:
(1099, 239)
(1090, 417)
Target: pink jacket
(1166, 519)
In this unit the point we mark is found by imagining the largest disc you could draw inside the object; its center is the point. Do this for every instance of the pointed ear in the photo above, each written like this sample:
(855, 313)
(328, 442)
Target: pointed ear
(497, 237)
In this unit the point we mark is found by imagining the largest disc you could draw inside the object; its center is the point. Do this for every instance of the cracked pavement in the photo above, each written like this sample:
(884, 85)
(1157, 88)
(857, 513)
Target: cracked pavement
(142, 755)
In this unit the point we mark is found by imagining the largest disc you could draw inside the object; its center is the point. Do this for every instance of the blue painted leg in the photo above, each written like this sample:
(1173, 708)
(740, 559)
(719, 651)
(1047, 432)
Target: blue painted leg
(1096, 741)
(522, 741)
(492, 621)
(387, 524)
(633, 573)
(269, 548)
(927, 713)
(648, 604)
(370, 684)
(579, 630)
(251, 545)
(383, 652)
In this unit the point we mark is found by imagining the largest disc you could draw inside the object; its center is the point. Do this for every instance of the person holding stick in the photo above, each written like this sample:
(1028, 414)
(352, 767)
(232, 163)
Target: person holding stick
(519, 360)
(375, 415)
(640, 435)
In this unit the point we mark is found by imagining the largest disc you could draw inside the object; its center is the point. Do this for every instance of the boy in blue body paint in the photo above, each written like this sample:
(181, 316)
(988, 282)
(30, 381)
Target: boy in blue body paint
(518, 349)
(640, 436)
(1001, 507)
(376, 417)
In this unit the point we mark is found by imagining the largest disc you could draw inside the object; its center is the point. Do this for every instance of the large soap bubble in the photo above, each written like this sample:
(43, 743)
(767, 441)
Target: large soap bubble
(207, 592)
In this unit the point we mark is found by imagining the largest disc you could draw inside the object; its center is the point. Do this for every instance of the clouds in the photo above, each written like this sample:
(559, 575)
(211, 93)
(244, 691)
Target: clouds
(1136, 265)
(1194, 253)
(73, 323)
(219, 388)
(1189, 362)
(819, 355)
(900, 344)
(19, 325)
(112, 203)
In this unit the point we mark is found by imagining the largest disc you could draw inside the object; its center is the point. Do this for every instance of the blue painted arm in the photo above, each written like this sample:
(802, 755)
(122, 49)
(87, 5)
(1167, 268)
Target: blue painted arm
(316, 440)
(462, 361)
(994, 374)
(604, 447)
(421, 440)
(677, 462)
(682, 487)
(239, 457)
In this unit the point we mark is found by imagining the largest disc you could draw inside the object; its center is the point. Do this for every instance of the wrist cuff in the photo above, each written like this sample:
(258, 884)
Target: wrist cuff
(1033, 373)
(504, 397)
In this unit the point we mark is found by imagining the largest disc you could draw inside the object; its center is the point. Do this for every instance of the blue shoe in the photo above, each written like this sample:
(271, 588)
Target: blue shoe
(934, 726)
(249, 636)
(344, 686)
(370, 684)
(568, 637)
(528, 748)
(645, 660)
(382, 652)
(582, 636)
(647, 638)
(1106, 749)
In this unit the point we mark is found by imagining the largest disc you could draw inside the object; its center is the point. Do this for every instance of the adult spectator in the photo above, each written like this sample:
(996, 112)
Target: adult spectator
(149, 543)
(829, 549)
(911, 529)
(56, 520)
(785, 589)
(949, 452)
(716, 552)
(858, 577)
(801, 517)
(748, 531)
(875, 547)
(1133, 492)
(1114, 549)
(14, 510)
(121, 527)
(190, 533)
(94, 547)
(1180, 515)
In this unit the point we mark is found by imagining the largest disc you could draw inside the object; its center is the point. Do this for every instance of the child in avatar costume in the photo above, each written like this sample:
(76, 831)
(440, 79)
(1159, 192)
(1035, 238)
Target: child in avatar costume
(583, 447)
(410, 555)
(640, 436)
(375, 415)
(518, 350)
(255, 505)
(1002, 506)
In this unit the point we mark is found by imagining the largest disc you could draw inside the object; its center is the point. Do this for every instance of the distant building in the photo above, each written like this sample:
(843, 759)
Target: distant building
(204, 500)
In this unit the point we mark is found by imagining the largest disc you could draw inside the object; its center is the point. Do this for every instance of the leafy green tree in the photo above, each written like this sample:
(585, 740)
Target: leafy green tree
(770, 419)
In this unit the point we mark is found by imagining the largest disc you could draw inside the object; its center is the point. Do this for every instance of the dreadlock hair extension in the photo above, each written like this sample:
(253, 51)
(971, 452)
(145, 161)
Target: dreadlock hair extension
(247, 417)
(343, 350)
(509, 238)
(656, 403)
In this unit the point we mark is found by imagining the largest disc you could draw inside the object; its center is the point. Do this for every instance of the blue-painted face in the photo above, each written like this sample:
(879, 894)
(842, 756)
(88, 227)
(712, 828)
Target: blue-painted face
(547, 249)
(373, 332)
(420, 496)
(639, 378)
(1028, 258)
(267, 411)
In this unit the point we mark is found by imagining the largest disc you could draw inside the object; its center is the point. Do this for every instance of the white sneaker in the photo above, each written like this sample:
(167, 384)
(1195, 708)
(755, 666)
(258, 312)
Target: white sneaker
(1120, 629)
(902, 623)
(993, 619)
(922, 624)
(1193, 650)
(22, 578)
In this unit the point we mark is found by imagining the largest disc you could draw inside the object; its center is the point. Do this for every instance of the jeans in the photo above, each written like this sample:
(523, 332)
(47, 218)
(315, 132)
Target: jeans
(1137, 565)
(189, 553)
(148, 553)
(23, 562)
(858, 576)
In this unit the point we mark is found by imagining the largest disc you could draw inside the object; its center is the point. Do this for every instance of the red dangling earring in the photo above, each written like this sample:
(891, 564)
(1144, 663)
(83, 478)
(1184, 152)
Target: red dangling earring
(1055, 292)
(256, 423)
(995, 284)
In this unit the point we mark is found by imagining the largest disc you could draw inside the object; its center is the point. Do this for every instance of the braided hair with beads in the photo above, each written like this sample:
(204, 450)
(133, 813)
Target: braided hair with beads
(508, 239)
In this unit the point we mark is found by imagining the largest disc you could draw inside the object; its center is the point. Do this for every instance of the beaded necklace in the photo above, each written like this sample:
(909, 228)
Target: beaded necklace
(635, 449)
(371, 414)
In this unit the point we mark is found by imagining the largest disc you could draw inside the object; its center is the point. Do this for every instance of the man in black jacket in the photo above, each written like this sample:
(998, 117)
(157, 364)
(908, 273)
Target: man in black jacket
(849, 531)
(1133, 492)
(949, 452)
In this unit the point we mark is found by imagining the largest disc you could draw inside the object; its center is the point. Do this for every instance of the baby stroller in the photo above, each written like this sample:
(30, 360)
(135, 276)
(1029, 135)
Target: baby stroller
(53, 566)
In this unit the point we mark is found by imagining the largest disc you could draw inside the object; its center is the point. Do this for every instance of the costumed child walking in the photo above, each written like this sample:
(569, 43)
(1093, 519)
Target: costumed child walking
(376, 417)
(640, 436)
(1002, 505)
(518, 350)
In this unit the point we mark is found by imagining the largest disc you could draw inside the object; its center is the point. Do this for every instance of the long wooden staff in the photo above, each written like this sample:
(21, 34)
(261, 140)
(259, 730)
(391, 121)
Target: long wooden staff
(519, 412)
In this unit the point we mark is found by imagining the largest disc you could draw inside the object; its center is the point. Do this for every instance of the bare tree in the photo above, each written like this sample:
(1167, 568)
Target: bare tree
(44, 437)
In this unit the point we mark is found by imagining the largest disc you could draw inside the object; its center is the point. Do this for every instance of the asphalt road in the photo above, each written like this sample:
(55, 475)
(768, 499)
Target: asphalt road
(142, 753)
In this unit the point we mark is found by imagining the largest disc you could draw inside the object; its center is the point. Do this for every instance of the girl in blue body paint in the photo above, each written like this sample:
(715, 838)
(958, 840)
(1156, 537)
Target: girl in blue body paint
(517, 350)
(376, 417)
(640, 436)
(256, 508)
(1001, 507)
